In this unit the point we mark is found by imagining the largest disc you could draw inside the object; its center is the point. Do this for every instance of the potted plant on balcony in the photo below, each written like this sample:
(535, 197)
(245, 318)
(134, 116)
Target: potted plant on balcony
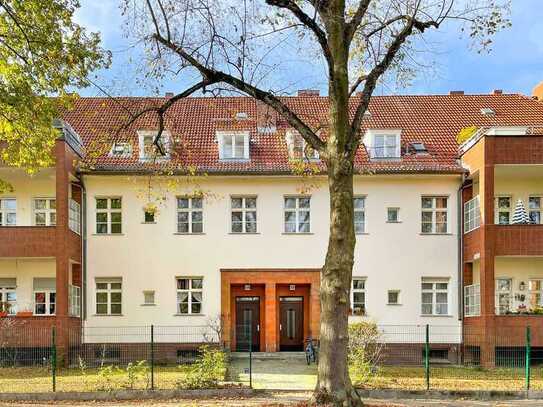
(4, 309)
(522, 309)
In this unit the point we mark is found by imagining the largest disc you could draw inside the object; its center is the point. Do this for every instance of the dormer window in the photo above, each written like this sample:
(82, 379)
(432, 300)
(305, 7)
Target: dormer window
(383, 144)
(148, 150)
(298, 149)
(233, 145)
(121, 149)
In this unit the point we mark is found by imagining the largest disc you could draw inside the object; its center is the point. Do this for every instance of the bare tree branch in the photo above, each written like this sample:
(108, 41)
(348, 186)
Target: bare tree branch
(352, 26)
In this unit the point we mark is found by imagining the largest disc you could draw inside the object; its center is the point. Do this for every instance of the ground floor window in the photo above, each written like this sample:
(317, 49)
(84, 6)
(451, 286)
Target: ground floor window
(8, 295)
(189, 295)
(358, 299)
(109, 296)
(435, 297)
(44, 302)
(503, 295)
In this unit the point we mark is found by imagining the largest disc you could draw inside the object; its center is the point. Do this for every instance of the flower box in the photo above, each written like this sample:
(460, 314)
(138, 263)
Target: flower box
(25, 314)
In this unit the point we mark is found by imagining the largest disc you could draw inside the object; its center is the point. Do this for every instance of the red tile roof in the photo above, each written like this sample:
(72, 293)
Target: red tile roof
(434, 120)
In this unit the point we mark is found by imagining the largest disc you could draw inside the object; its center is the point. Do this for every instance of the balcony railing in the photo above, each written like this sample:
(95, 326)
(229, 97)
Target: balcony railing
(27, 241)
(472, 300)
(472, 214)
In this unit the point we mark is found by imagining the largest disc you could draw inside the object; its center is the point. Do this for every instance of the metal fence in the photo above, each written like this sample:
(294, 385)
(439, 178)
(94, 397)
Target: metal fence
(410, 357)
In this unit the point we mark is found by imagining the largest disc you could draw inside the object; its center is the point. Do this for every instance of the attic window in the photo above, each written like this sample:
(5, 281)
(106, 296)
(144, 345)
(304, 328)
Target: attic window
(486, 111)
(233, 145)
(148, 150)
(383, 144)
(419, 148)
(121, 150)
(298, 148)
(242, 115)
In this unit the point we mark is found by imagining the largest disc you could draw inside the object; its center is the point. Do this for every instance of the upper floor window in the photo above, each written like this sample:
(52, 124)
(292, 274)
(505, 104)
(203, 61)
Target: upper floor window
(393, 215)
(149, 150)
(435, 297)
(358, 294)
(108, 215)
(189, 295)
(359, 204)
(297, 214)
(383, 143)
(535, 208)
(503, 210)
(434, 214)
(298, 148)
(190, 216)
(8, 212)
(243, 214)
(233, 146)
(45, 212)
(109, 296)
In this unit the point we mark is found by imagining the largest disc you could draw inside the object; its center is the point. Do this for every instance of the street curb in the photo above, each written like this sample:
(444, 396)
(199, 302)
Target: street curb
(483, 395)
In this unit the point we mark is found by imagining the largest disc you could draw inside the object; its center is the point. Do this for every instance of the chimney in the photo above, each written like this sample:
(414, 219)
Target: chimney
(168, 95)
(308, 92)
(497, 92)
(456, 92)
(538, 92)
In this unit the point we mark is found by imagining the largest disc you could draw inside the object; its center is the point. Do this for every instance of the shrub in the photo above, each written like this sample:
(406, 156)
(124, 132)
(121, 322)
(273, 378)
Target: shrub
(207, 371)
(136, 372)
(365, 345)
(105, 377)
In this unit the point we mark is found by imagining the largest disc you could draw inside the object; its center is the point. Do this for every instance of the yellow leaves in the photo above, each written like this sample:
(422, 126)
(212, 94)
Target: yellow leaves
(465, 134)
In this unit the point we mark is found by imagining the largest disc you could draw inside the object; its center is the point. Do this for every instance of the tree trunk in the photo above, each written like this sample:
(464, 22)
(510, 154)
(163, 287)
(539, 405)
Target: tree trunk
(334, 385)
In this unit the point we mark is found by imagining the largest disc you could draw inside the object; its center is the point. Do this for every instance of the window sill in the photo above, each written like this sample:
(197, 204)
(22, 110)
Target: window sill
(394, 304)
(148, 223)
(436, 316)
(297, 233)
(108, 234)
(107, 315)
(243, 233)
(189, 315)
(393, 221)
(361, 233)
(189, 234)
(148, 305)
(435, 234)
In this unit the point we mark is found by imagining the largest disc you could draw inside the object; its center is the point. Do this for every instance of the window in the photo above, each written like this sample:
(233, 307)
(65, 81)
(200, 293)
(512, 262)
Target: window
(472, 214)
(45, 212)
(189, 295)
(149, 217)
(74, 216)
(108, 215)
(536, 293)
(298, 148)
(109, 296)
(503, 210)
(535, 208)
(8, 295)
(504, 296)
(148, 150)
(44, 302)
(297, 214)
(435, 297)
(243, 214)
(121, 150)
(190, 215)
(233, 146)
(358, 299)
(148, 298)
(359, 203)
(393, 297)
(74, 300)
(393, 215)
(472, 300)
(8, 212)
(383, 143)
(434, 214)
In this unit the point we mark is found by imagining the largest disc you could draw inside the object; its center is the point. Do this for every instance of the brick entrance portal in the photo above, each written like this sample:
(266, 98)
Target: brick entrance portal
(270, 285)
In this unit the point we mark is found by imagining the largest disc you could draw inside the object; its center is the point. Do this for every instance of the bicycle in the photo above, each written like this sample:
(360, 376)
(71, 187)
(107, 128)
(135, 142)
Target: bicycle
(311, 353)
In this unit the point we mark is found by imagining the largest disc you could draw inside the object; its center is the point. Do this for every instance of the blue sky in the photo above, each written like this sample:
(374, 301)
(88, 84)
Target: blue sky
(515, 64)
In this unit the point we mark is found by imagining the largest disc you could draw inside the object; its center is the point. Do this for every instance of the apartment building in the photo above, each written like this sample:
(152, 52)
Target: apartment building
(225, 225)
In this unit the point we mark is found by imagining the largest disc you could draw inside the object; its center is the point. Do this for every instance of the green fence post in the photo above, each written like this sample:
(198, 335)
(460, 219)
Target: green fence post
(152, 357)
(427, 357)
(250, 358)
(54, 358)
(528, 356)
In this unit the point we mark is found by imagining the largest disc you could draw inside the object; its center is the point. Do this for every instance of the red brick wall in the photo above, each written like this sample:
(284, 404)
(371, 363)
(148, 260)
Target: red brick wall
(517, 149)
(25, 241)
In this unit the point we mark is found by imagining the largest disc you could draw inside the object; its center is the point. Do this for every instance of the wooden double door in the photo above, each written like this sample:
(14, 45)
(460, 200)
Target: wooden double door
(291, 323)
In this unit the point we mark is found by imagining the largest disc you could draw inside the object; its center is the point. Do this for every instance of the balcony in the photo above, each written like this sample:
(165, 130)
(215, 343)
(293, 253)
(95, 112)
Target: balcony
(27, 241)
(518, 240)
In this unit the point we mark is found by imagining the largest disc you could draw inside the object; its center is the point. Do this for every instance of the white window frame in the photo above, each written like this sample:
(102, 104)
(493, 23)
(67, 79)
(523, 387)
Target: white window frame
(74, 300)
(507, 293)
(108, 211)
(47, 211)
(190, 211)
(397, 210)
(74, 216)
(47, 302)
(538, 210)
(4, 212)
(244, 210)
(121, 149)
(359, 290)
(398, 292)
(472, 214)
(508, 210)
(434, 210)
(472, 300)
(165, 139)
(296, 210)
(298, 147)
(109, 290)
(149, 292)
(383, 152)
(362, 210)
(435, 291)
(9, 290)
(190, 291)
(232, 135)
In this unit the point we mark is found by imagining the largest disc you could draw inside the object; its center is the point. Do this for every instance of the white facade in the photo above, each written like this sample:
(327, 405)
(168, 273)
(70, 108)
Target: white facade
(150, 256)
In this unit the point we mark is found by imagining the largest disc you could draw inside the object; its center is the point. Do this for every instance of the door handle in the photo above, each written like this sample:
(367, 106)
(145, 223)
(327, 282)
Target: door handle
(257, 327)
(280, 327)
